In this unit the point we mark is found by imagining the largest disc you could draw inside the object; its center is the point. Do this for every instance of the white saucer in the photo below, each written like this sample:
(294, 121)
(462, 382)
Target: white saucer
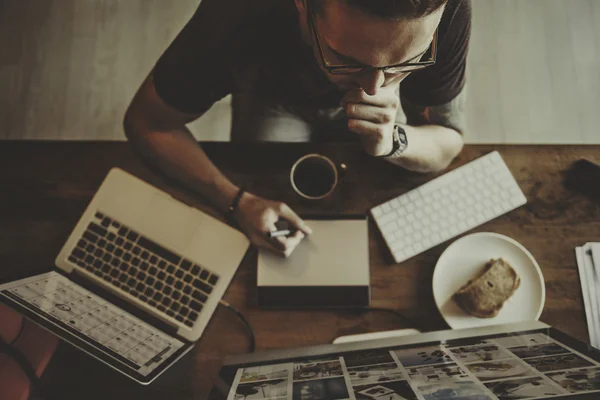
(466, 257)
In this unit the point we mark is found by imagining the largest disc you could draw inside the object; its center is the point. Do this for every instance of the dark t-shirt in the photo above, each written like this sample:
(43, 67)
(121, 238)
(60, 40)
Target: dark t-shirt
(255, 47)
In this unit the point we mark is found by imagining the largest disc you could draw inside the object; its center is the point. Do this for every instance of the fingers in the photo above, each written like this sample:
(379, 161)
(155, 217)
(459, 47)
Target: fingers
(370, 113)
(293, 218)
(383, 98)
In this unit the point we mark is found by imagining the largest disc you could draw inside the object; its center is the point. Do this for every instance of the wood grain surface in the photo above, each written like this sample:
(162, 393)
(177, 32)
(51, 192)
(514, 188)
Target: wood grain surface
(47, 185)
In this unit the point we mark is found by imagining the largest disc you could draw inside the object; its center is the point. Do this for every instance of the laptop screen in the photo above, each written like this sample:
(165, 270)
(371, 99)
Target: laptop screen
(539, 364)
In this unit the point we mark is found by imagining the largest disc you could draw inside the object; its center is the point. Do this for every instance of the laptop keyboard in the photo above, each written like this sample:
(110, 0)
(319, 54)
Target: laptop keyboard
(146, 270)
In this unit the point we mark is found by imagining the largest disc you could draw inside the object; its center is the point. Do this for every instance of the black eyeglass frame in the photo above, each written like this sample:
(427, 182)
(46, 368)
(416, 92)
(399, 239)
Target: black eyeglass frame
(348, 69)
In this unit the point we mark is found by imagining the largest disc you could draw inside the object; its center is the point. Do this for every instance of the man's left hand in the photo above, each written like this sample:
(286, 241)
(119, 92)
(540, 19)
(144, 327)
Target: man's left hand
(373, 117)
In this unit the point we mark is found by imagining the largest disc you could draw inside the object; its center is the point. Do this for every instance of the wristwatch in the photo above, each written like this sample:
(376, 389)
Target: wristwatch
(400, 142)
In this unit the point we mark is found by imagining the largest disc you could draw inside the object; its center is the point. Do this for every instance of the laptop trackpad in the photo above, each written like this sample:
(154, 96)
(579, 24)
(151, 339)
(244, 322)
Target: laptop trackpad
(169, 222)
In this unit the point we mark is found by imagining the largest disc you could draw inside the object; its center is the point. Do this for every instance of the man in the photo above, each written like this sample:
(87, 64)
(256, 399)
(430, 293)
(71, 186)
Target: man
(307, 70)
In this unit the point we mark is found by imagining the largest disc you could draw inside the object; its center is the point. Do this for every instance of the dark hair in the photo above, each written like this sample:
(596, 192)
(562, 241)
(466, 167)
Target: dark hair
(390, 9)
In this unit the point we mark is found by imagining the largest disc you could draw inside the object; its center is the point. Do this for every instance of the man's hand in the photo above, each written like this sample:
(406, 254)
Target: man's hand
(373, 117)
(257, 216)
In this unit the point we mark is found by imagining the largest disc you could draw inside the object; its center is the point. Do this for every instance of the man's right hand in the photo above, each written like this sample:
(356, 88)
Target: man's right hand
(257, 216)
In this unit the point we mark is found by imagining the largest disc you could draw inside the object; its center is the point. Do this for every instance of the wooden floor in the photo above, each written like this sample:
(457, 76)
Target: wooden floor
(68, 68)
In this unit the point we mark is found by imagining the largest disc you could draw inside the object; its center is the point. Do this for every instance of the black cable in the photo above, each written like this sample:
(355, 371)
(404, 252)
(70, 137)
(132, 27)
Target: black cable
(398, 314)
(20, 359)
(241, 316)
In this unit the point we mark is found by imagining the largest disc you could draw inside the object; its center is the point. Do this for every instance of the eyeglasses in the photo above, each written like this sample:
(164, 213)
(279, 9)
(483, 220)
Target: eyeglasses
(426, 59)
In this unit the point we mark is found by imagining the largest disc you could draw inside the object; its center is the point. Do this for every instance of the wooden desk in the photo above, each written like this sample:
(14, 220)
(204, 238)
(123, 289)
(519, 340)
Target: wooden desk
(46, 186)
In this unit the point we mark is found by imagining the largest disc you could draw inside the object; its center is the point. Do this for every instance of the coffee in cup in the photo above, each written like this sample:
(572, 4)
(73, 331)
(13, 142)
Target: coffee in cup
(314, 176)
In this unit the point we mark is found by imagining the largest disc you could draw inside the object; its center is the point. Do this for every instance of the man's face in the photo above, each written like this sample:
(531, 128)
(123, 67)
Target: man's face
(348, 35)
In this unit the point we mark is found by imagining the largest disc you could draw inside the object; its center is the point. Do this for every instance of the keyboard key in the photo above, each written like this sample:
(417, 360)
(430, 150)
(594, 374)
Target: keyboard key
(170, 268)
(101, 243)
(200, 296)
(158, 285)
(123, 277)
(144, 266)
(127, 257)
(108, 279)
(150, 280)
(99, 215)
(119, 241)
(187, 290)
(170, 280)
(213, 279)
(136, 261)
(176, 295)
(90, 237)
(179, 274)
(111, 237)
(196, 270)
(124, 266)
(110, 247)
(78, 253)
(170, 313)
(128, 246)
(153, 271)
(175, 307)
(123, 231)
(134, 293)
(157, 296)
(189, 323)
(116, 224)
(188, 278)
(153, 260)
(97, 229)
(89, 259)
(89, 248)
(152, 303)
(97, 263)
(107, 257)
(119, 252)
(140, 287)
(106, 268)
(137, 250)
(162, 308)
(193, 316)
(131, 282)
(149, 292)
(98, 253)
(133, 271)
(141, 275)
(162, 275)
(185, 300)
(179, 318)
(72, 259)
(178, 285)
(162, 264)
(186, 265)
(204, 274)
(115, 262)
(184, 311)
(132, 236)
(143, 298)
(155, 248)
(202, 286)
(145, 255)
(167, 290)
(114, 273)
(166, 301)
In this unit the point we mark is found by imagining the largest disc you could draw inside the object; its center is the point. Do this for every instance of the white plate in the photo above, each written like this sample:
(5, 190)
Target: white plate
(465, 258)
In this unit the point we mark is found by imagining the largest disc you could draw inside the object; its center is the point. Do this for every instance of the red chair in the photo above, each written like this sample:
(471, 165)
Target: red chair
(36, 344)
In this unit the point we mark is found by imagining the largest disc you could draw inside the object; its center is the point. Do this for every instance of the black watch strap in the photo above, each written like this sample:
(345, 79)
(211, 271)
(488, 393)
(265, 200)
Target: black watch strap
(233, 206)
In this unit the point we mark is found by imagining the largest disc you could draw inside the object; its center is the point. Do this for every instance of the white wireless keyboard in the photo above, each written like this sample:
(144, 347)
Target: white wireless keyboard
(448, 206)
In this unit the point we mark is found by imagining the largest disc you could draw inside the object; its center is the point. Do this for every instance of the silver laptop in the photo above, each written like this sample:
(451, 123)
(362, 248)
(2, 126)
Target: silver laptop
(521, 361)
(137, 281)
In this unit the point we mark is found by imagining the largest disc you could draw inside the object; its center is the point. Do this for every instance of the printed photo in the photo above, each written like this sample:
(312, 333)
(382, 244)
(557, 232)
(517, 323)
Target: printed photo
(370, 357)
(399, 390)
(527, 388)
(320, 370)
(558, 363)
(323, 389)
(423, 356)
(465, 342)
(578, 380)
(375, 374)
(436, 373)
(488, 352)
(523, 340)
(262, 390)
(540, 350)
(461, 390)
(265, 373)
(496, 370)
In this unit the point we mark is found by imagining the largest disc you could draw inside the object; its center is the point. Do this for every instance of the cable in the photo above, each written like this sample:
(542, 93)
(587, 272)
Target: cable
(403, 317)
(239, 314)
(20, 359)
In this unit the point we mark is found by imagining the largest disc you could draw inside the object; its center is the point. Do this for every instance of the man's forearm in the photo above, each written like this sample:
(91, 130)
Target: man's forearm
(179, 156)
(431, 148)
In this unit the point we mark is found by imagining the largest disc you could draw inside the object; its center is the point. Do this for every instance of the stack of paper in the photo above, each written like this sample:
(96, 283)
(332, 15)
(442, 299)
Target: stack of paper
(588, 262)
